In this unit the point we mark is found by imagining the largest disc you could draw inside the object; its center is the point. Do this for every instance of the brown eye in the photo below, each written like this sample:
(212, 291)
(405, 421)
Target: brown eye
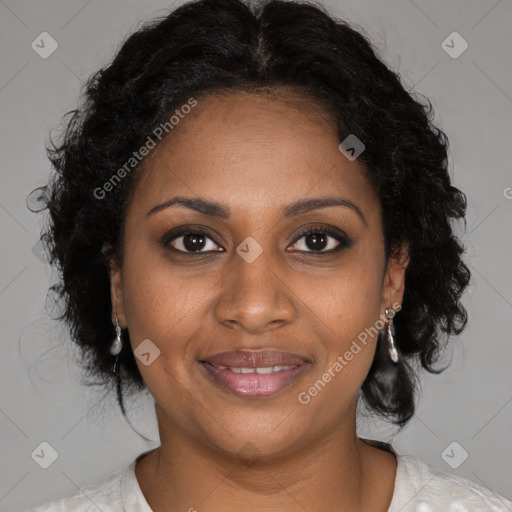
(322, 241)
(316, 241)
(191, 241)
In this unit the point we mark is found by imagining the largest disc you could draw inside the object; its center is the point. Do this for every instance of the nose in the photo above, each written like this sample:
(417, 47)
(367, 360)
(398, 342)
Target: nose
(255, 297)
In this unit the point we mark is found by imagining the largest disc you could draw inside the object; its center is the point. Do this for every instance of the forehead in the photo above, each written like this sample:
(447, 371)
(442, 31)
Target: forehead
(253, 151)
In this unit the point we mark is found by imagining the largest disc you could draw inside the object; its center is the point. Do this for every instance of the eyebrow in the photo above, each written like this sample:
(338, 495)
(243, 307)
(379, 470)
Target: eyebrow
(223, 211)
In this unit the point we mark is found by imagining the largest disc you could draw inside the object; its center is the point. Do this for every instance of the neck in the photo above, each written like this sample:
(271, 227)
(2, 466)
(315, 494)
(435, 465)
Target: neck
(335, 471)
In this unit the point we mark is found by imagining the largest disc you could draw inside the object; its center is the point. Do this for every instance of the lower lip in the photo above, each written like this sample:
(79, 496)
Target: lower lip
(251, 385)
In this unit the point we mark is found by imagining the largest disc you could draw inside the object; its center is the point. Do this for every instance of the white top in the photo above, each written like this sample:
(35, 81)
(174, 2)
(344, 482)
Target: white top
(418, 488)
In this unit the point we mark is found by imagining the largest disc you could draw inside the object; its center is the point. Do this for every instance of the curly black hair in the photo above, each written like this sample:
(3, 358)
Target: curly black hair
(209, 46)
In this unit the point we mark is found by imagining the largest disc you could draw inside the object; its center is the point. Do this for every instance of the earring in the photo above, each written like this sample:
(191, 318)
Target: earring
(393, 353)
(117, 345)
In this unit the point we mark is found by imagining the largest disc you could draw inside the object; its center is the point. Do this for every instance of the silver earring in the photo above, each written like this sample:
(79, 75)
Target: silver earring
(117, 345)
(393, 353)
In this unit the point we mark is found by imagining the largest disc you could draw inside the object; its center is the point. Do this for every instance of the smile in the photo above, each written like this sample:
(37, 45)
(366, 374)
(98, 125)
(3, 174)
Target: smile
(253, 382)
(266, 369)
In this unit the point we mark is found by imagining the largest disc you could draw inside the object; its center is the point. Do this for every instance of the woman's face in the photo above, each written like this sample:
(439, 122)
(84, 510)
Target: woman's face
(251, 280)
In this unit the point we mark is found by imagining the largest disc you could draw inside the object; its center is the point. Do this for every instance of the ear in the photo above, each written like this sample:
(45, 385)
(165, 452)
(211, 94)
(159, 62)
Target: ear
(116, 293)
(394, 280)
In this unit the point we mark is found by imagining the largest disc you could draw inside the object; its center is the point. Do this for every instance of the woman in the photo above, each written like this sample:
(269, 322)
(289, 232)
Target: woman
(253, 220)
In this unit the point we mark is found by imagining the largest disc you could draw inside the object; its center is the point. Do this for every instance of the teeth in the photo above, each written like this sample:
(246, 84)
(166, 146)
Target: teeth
(266, 369)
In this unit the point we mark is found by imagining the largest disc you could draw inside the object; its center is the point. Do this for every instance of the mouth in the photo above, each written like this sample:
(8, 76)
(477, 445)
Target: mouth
(255, 374)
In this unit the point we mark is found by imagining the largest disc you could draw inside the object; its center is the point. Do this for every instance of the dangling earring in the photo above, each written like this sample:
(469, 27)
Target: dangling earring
(117, 345)
(393, 353)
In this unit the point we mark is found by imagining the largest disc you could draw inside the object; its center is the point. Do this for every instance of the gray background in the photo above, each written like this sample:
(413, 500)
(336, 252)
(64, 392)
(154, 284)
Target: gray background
(41, 398)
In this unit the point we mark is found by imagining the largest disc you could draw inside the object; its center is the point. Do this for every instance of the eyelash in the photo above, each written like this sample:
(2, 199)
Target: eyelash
(344, 241)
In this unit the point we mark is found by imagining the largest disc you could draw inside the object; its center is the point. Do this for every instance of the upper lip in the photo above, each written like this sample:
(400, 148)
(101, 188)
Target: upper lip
(255, 359)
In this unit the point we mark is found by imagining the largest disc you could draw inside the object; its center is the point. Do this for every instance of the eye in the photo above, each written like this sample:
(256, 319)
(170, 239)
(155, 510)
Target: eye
(191, 241)
(314, 240)
(322, 241)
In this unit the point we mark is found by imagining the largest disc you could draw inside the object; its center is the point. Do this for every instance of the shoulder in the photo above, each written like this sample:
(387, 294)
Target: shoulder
(104, 495)
(422, 488)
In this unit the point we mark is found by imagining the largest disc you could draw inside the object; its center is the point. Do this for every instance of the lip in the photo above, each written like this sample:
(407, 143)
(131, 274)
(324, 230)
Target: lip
(255, 359)
(253, 385)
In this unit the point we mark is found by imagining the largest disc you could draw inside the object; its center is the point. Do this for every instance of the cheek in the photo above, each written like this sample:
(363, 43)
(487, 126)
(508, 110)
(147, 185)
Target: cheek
(348, 299)
(347, 309)
(159, 298)
(348, 351)
(160, 308)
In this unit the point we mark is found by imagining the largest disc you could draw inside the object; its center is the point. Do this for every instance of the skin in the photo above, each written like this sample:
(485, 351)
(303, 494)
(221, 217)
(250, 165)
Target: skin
(256, 154)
